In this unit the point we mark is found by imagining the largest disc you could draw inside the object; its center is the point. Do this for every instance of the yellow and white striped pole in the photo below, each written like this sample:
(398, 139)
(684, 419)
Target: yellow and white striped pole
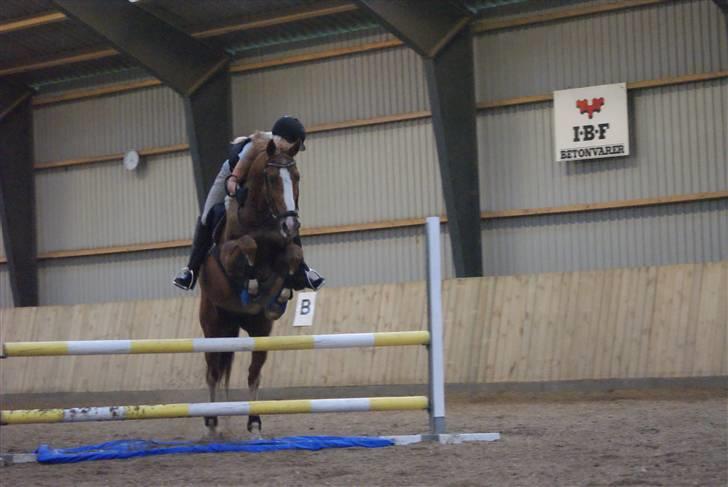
(162, 411)
(242, 344)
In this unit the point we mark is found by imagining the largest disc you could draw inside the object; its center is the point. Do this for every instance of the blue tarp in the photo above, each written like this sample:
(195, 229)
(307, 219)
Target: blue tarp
(142, 448)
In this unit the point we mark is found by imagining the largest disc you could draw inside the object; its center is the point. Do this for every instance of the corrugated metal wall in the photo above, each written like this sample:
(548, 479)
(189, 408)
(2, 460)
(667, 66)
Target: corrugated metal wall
(106, 205)
(386, 172)
(6, 294)
(370, 174)
(652, 42)
(143, 275)
(346, 260)
(339, 40)
(635, 237)
(679, 142)
(381, 256)
(361, 86)
(110, 124)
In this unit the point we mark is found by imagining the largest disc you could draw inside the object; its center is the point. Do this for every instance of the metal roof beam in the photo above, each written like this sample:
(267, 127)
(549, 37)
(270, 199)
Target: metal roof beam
(169, 53)
(424, 25)
(723, 4)
(257, 23)
(194, 70)
(303, 14)
(17, 191)
(30, 22)
(435, 29)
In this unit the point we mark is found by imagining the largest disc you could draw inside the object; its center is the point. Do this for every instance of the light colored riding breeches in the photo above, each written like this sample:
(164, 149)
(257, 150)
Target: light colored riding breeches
(217, 192)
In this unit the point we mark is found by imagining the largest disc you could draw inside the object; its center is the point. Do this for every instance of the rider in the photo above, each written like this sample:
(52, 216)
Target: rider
(230, 181)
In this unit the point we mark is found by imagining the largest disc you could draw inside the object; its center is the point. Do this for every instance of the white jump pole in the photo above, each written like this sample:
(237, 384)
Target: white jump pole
(436, 346)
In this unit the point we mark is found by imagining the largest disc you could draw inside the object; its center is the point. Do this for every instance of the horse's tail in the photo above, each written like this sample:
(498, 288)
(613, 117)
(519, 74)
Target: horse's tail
(219, 367)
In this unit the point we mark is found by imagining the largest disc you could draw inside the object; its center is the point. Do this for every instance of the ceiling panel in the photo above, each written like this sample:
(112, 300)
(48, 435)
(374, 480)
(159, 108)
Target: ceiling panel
(15, 9)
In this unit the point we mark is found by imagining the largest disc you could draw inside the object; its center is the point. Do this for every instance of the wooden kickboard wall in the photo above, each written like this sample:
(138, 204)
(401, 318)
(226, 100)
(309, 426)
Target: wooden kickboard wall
(645, 322)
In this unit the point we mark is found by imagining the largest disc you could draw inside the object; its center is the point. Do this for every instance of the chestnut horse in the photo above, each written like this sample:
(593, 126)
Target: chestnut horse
(243, 280)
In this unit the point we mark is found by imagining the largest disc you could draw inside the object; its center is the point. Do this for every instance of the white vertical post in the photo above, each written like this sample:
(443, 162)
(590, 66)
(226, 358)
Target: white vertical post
(434, 306)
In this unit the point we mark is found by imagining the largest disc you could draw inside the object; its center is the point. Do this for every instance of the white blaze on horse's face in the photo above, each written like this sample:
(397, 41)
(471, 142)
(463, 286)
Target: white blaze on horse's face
(289, 225)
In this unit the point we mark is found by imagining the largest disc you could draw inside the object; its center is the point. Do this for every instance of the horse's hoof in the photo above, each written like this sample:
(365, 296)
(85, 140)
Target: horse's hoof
(211, 421)
(255, 425)
(285, 296)
(212, 435)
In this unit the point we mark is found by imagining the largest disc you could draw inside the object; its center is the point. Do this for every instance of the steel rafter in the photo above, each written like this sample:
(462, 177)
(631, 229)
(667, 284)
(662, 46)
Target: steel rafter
(17, 192)
(438, 31)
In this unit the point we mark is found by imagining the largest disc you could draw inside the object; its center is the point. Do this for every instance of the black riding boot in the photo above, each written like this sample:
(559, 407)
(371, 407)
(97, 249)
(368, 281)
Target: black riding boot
(187, 277)
(305, 277)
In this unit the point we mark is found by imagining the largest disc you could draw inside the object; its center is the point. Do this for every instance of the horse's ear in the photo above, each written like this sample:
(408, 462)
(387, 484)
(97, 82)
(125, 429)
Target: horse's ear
(271, 148)
(295, 148)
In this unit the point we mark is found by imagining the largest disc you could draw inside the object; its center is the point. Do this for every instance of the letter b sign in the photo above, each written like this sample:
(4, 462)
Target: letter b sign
(305, 308)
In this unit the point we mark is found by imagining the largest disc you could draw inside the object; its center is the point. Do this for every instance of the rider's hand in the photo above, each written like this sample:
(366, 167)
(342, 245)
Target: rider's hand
(232, 186)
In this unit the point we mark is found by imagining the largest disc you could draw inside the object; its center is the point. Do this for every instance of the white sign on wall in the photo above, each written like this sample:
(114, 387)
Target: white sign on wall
(591, 123)
(305, 308)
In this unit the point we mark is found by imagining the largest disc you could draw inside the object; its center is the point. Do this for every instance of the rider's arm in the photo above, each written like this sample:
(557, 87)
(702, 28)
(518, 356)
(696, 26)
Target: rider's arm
(255, 143)
(239, 154)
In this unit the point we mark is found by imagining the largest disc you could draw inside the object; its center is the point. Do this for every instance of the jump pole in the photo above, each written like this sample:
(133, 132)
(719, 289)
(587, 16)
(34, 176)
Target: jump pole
(436, 349)
(239, 344)
(191, 410)
(434, 312)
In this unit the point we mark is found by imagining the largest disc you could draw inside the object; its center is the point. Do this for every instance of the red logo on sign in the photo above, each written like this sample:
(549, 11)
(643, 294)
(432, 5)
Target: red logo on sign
(595, 106)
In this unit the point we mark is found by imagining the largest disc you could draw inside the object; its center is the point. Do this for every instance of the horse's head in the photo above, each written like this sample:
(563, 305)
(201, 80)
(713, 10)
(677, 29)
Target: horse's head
(274, 188)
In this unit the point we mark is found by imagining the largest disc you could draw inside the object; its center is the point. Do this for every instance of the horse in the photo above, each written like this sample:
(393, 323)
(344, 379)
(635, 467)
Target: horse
(243, 279)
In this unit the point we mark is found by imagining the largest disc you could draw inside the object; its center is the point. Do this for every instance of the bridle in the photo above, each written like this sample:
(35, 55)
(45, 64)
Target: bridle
(268, 196)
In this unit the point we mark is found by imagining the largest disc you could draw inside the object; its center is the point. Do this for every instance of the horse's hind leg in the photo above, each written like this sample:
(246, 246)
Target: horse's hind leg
(262, 327)
(255, 425)
(219, 364)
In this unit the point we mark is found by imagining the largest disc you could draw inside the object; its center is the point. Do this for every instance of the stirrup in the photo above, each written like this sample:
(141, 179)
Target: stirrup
(314, 280)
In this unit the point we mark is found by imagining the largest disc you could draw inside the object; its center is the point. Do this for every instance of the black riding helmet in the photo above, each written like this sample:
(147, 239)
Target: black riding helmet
(291, 129)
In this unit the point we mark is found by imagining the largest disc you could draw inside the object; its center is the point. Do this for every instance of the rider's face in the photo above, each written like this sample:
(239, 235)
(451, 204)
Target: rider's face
(282, 144)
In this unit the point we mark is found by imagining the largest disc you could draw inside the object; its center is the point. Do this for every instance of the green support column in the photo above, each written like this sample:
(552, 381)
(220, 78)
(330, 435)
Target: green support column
(437, 30)
(17, 192)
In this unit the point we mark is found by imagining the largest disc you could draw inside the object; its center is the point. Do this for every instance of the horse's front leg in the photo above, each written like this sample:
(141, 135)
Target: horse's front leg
(292, 258)
(250, 249)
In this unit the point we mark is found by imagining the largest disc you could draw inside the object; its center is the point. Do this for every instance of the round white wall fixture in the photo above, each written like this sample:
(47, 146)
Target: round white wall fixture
(131, 160)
